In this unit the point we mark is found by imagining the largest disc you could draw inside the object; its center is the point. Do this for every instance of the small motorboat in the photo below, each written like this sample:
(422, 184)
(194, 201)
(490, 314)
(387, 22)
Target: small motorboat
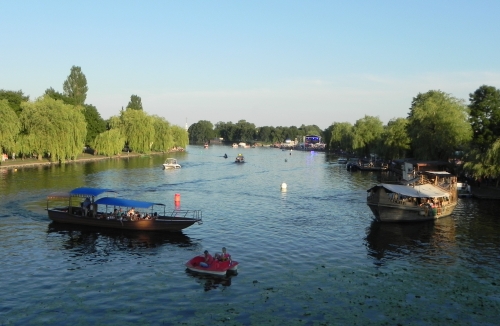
(239, 159)
(217, 267)
(171, 163)
(342, 160)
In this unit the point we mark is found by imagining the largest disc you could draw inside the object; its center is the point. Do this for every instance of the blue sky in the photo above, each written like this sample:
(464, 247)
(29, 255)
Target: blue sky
(272, 63)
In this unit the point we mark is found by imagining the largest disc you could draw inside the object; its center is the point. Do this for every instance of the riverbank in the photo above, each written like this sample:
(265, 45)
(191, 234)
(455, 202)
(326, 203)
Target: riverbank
(82, 158)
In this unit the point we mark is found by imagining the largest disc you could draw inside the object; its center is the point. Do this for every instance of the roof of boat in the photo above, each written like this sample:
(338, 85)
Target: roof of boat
(82, 191)
(125, 202)
(420, 191)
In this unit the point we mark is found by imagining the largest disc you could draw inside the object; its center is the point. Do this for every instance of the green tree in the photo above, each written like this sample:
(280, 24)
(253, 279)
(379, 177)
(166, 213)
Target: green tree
(135, 103)
(75, 86)
(226, 130)
(137, 127)
(484, 116)
(180, 136)
(395, 142)
(109, 142)
(52, 128)
(437, 125)
(264, 134)
(52, 93)
(201, 131)
(245, 131)
(164, 139)
(9, 127)
(341, 137)
(367, 134)
(95, 124)
(14, 99)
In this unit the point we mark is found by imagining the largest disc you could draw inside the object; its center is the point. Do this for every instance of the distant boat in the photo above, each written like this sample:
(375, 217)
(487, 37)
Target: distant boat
(206, 145)
(342, 160)
(239, 159)
(235, 145)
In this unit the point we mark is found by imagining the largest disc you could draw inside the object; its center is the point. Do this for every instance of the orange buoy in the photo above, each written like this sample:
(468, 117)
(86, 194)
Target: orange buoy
(177, 199)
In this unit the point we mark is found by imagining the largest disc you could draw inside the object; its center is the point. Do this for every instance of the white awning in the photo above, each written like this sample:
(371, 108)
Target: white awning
(426, 190)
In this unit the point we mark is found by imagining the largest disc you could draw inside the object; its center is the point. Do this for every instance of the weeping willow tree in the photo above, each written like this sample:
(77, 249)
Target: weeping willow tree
(9, 127)
(52, 128)
(180, 135)
(109, 142)
(137, 127)
(164, 139)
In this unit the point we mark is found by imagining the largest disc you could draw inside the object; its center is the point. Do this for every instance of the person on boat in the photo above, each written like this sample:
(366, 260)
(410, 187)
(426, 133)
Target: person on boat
(224, 255)
(208, 259)
(131, 212)
(86, 205)
(225, 155)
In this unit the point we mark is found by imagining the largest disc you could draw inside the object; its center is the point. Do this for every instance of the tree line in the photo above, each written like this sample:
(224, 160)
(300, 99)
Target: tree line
(58, 125)
(439, 127)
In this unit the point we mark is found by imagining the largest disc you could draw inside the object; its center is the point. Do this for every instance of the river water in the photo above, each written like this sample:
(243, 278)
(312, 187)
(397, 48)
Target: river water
(310, 255)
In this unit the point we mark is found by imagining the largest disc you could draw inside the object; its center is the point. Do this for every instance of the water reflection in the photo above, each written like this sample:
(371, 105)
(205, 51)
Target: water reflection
(430, 241)
(211, 282)
(88, 240)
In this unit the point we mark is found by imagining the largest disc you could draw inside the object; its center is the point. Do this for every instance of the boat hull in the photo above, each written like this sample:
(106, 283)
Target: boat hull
(161, 223)
(218, 268)
(401, 213)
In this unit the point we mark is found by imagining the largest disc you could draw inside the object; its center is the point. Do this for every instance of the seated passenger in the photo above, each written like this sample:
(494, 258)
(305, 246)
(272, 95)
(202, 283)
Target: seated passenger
(131, 212)
(224, 256)
(208, 259)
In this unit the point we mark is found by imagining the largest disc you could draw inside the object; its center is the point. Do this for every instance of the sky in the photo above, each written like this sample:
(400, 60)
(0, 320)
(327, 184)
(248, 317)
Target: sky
(271, 63)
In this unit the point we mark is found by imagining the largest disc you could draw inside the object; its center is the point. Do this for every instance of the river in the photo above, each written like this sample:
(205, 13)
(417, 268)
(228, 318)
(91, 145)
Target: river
(310, 255)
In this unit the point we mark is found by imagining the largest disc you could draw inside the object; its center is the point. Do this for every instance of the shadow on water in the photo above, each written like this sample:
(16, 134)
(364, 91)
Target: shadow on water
(211, 282)
(87, 240)
(428, 240)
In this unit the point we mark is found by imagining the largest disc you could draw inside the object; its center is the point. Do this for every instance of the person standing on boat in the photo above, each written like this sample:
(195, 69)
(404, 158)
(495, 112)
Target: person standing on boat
(86, 205)
(208, 259)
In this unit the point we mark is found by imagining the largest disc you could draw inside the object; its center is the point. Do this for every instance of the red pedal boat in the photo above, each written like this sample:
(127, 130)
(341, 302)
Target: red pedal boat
(217, 267)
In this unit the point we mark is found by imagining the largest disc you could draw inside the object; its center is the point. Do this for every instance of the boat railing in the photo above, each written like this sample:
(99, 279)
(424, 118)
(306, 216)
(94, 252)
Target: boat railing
(193, 213)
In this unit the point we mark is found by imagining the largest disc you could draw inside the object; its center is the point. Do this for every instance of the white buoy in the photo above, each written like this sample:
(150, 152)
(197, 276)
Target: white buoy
(283, 186)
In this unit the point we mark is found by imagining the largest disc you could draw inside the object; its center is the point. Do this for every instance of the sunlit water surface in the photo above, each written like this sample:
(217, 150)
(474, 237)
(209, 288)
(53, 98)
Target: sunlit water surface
(311, 255)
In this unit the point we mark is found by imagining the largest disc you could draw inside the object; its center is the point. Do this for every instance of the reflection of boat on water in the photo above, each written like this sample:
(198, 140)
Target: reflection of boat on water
(87, 236)
(211, 282)
(393, 240)
(431, 195)
(106, 212)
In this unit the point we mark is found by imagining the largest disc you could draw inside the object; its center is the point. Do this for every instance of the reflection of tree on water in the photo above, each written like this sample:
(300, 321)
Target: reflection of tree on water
(211, 282)
(428, 240)
(91, 240)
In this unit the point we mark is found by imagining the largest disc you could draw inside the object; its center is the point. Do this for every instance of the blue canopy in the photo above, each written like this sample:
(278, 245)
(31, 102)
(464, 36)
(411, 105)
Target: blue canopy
(89, 191)
(125, 202)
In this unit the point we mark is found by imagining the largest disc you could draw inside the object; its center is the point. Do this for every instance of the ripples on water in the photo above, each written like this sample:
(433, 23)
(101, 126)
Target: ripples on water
(310, 255)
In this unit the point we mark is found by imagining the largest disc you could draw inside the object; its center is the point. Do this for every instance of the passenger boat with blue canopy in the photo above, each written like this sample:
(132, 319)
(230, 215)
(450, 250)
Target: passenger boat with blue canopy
(90, 207)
